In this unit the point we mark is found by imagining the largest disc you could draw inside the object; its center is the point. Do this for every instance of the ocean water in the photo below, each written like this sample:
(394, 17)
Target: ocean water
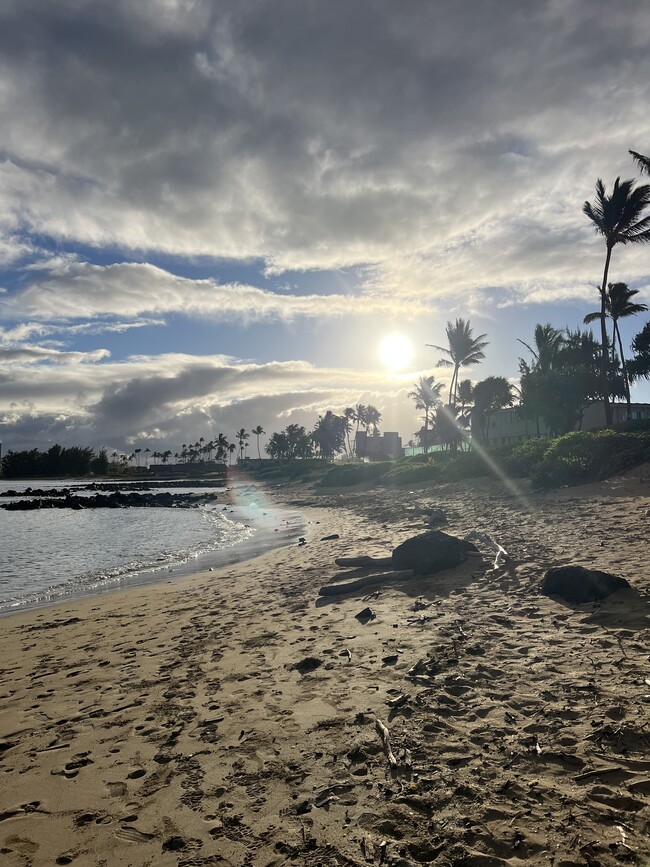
(52, 554)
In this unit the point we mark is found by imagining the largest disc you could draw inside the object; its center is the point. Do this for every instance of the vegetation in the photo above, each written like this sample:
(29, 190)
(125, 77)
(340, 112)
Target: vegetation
(56, 462)
(619, 219)
(463, 350)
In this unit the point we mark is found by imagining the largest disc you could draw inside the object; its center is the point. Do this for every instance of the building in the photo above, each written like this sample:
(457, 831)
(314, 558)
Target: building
(594, 416)
(509, 427)
(378, 447)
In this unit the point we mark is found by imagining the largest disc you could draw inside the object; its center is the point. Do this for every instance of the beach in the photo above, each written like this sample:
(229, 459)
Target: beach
(236, 717)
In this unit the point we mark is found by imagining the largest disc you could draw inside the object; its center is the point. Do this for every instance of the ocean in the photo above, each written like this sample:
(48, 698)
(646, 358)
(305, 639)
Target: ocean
(48, 555)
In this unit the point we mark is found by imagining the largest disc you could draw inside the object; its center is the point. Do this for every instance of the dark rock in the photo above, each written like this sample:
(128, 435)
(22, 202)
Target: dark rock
(435, 516)
(431, 552)
(330, 538)
(174, 844)
(366, 615)
(305, 666)
(577, 584)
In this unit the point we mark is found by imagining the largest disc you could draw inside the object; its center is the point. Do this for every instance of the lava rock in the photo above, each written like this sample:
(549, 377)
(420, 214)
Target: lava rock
(365, 616)
(577, 584)
(431, 552)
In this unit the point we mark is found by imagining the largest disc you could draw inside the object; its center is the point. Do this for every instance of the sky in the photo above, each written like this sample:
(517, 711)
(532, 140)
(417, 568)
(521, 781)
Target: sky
(213, 213)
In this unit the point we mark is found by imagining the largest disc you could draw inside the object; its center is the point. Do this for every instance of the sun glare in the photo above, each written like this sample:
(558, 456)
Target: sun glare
(396, 351)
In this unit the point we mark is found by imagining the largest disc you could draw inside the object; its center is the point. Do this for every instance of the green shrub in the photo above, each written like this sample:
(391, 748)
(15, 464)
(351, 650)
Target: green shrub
(412, 474)
(524, 458)
(344, 475)
(586, 456)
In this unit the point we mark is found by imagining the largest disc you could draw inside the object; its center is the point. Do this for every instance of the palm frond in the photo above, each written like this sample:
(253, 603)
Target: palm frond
(642, 162)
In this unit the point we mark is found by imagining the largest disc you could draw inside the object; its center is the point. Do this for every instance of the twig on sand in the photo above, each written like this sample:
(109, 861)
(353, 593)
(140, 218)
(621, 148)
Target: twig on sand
(341, 587)
(364, 561)
(599, 772)
(502, 555)
(385, 738)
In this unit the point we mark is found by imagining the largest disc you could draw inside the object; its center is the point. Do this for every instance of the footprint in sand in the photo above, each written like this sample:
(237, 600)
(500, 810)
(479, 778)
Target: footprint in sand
(132, 835)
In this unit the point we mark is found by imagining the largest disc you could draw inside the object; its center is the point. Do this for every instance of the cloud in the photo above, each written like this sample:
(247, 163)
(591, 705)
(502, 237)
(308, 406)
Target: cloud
(319, 135)
(175, 398)
(81, 290)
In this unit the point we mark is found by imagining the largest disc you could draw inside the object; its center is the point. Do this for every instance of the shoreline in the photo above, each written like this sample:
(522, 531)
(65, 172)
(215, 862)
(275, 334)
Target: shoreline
(231, 717)
(273, 526)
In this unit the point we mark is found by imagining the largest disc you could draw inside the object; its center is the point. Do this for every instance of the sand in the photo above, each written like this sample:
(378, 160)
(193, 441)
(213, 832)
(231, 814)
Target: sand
(232, 718)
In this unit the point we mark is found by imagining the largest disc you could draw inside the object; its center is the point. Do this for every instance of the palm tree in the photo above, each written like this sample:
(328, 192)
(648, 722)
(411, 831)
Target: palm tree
(619, 305)
(619, 219)
(350, 416)
(371, 418)
(426, 395)
(232, 448)
(548, 343)
(242, 436)
(258, 431)
(464, 349)
(642, 162)
(222, 446)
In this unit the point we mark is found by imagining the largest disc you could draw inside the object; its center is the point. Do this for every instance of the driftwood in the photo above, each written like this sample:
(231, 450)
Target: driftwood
(385, 738)
(364, 561)
(502, 555)
(341, 587)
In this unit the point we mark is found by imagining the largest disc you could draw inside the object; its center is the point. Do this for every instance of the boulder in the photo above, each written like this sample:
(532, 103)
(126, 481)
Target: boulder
(432, 552)
(577, 584)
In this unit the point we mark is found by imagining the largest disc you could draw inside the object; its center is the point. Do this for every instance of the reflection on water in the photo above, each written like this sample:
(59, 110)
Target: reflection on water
(49, 554)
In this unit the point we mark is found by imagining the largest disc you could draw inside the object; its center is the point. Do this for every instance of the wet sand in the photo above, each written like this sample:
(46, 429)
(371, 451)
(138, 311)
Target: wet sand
(232, 717)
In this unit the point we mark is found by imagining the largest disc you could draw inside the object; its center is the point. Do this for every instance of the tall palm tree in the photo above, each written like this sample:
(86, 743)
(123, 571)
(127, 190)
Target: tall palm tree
(426, 396)
(642, 162)
(223, 447)
(242, 436)
(258, 431)
(619, 305)
(619, 219)
(232, 448)
(350, 416)
(463, 350)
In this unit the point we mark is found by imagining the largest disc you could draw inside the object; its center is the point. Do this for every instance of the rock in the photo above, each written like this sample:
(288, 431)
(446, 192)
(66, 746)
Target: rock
(435, 516)
(577, 584)
(305, 666)
(432, 552)
(330, 538)
(366, 615)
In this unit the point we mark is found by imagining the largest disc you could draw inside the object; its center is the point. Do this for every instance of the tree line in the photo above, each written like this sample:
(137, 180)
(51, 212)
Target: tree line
(57, 461)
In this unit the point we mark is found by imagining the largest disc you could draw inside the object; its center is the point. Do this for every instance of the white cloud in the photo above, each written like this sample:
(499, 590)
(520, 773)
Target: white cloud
(82, 290)
(175, 398)
(322, 136)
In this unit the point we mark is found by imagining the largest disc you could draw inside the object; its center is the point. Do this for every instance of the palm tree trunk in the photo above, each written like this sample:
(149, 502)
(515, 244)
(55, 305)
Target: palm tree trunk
(604, 384)
(626, 381)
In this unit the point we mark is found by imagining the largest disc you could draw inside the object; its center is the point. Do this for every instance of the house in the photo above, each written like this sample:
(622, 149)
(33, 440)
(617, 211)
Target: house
(378, 447)
(509, 426)
(594, 416)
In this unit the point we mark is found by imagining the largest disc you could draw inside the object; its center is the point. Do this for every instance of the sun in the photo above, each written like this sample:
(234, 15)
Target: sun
(396, 351)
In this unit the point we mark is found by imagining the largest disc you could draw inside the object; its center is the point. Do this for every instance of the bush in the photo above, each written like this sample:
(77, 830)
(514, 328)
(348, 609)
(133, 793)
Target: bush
(344, 475)
(588, 456)
(412, 474)
(523, 459)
